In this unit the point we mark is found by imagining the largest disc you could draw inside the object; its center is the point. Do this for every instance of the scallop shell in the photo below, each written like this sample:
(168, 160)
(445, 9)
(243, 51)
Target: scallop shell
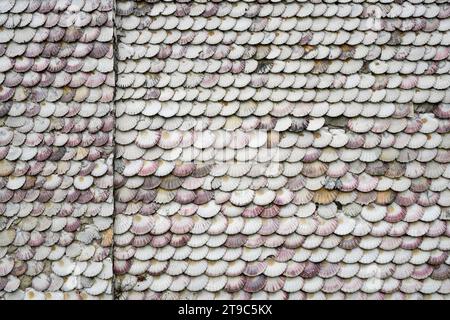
(147, 138)
(141, 224)
(83, 182)
(242, 198)
(63, 267)
(169, 139)
(6, 266)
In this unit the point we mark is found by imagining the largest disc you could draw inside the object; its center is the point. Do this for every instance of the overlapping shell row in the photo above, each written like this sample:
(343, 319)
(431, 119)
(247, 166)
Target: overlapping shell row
(56, 149)
(282, 150)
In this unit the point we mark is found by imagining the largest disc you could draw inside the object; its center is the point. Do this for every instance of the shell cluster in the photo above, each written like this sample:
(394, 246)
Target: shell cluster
(238, 149)
(56, 149)
(282, 150)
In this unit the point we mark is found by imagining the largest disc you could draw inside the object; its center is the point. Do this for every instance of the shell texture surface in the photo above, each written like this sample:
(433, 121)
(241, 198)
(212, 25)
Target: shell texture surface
(282, 150)
(56, 149)
(237, 149)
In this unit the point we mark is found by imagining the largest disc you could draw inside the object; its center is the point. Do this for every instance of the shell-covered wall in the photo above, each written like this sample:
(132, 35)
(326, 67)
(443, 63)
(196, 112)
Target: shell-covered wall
(263, 149)
(282, 149)
(56, 149)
